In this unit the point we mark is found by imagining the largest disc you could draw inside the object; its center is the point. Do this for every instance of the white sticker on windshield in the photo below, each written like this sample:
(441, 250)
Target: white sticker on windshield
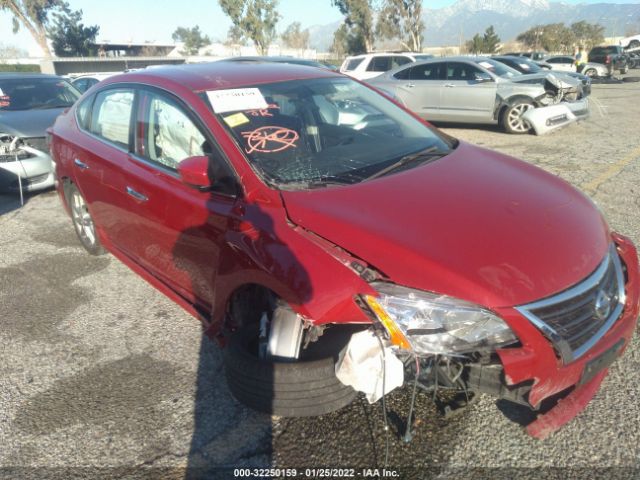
(524, 66)
(485, 65)
(236, 99)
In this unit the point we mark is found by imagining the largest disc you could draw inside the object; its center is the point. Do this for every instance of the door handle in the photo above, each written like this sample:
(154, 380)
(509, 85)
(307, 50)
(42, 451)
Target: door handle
(80, 164)
(410, 85)
(137, 195)
(449, 85)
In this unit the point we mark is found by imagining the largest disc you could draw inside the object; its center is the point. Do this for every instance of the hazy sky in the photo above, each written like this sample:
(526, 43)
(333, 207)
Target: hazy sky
(155, 20)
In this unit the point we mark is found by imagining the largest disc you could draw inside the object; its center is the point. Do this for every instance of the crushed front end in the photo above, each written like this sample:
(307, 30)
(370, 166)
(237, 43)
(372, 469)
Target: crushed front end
(549, 356)
(25, 162)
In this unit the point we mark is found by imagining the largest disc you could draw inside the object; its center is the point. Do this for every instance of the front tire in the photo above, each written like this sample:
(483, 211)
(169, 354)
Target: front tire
(307, 387)
(591, 72)
(512, 117)
(82, 221)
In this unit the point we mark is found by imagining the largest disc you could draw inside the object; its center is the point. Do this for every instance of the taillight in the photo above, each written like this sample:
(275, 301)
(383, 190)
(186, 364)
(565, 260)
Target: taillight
(607, 60)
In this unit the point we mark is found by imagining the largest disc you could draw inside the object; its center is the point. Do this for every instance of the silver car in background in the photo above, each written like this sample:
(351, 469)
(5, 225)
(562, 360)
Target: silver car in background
(479, 90)
(29, 104)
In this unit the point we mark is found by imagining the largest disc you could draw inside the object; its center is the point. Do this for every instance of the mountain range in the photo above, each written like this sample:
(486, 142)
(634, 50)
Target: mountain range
(463, 19)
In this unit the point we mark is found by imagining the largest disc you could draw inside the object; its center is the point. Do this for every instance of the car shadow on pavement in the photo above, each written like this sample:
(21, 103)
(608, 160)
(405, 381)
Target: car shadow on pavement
(10, 202)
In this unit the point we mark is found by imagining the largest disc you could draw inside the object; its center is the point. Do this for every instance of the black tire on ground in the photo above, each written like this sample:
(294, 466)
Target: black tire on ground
(625, 69)
(510, 119)
(590, 72)
(82, 221)
(288, 389)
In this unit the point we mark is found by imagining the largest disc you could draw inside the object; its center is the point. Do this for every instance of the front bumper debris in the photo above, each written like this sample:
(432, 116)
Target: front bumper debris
(547, 119)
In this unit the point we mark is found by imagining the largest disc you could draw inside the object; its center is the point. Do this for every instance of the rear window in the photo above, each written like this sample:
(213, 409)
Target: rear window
(604, 50)
(353, 64)
(37, 93)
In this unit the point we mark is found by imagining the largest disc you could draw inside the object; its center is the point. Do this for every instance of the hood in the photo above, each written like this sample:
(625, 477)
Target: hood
(559, 81)
(28, 123)
(476, 225)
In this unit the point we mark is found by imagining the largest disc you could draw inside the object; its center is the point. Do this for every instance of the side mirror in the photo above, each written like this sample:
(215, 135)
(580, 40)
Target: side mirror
(194, 171)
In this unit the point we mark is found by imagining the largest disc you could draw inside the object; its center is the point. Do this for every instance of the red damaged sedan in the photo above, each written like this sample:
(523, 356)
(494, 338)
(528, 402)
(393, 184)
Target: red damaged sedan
(334, 242)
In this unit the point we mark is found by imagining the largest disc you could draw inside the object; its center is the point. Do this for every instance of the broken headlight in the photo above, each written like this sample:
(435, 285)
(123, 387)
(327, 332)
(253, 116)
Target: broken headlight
(11, 149)
(428, 323)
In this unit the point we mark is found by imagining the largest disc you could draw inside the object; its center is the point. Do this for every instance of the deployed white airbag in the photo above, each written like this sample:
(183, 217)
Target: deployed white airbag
(361, 366)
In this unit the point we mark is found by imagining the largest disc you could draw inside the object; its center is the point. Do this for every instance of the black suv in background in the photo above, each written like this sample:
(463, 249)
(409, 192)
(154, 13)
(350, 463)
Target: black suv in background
(613, 56)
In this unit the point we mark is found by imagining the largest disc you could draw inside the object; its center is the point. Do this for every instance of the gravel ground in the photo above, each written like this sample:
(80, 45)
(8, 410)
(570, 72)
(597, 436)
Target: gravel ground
(101, 375)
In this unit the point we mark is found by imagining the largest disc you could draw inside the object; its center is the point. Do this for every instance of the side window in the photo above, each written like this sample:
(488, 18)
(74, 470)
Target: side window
(430, 71)
(90, 83)
(111, 118)
(168, 135)
(379, 64)
(403, 74)
(554, 60)
(462, 72)
(82, 113)
(81, 85)
(353, 64)
(398, 61)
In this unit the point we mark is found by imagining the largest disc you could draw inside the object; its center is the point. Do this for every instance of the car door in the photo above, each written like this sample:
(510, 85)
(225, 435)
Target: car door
(100, 160)
(468, 94)
(419, 87)
(177, 230)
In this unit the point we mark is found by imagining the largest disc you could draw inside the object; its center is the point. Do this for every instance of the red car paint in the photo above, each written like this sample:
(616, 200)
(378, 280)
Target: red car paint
(476, 225)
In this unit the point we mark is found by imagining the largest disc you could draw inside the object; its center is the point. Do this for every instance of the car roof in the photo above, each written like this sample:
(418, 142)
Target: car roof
(22, 75)
(384, 54)
(224, 75)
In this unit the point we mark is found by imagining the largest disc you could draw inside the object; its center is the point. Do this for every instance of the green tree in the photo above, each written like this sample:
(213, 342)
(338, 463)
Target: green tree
(69, 36)
(33, 15)
(402, 19)
(475, 45)
(490, 40)
(256, 19)
(357, 34)
(588, 34)
(192, 38)
(554, 37)
(295, 37)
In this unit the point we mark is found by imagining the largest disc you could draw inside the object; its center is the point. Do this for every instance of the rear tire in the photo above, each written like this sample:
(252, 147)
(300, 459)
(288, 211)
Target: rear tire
(288, 389)
(591, 72)
(82, 221)
(512, 117)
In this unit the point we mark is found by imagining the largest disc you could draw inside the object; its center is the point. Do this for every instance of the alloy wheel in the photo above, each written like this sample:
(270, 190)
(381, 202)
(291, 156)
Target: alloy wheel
(516, 122)
(82, 220)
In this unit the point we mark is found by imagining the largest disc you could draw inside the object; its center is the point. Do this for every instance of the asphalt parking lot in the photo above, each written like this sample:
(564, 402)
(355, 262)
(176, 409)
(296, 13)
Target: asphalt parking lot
(101, 375)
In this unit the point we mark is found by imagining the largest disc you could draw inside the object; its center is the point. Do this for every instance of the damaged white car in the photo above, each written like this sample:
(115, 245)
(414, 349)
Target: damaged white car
(29, 104)
(481, 90)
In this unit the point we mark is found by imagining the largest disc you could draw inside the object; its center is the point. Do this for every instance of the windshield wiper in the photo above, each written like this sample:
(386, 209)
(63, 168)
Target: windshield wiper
(430, 153)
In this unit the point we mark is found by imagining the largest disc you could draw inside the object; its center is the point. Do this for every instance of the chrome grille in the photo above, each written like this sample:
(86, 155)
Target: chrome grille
(577, 318)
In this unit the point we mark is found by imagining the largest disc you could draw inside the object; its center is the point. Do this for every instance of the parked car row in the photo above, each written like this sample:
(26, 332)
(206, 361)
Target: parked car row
(480, 90)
